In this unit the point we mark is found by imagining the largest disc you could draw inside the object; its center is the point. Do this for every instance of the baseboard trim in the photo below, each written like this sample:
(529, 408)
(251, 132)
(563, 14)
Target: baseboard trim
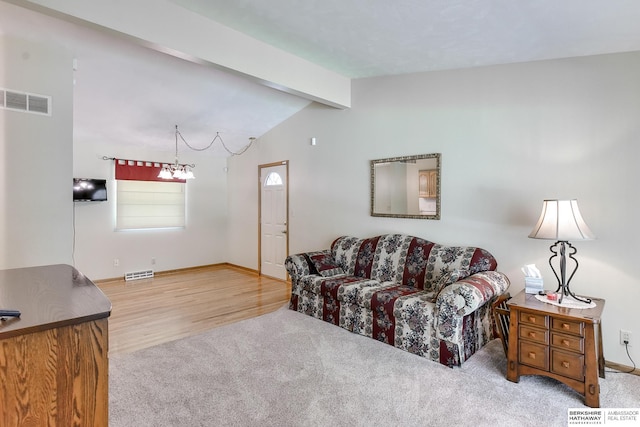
(204, 267)
(240, 267)
(184, 270)
(622, 368)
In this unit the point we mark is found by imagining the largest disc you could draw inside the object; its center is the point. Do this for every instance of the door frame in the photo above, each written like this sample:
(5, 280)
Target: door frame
(286, 189)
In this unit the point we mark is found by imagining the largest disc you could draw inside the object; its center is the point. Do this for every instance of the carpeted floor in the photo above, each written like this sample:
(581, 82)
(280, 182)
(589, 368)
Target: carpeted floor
(288, 369)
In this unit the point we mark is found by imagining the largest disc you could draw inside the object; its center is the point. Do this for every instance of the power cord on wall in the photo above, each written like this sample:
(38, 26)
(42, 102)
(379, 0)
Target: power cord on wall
(73, 243)
(626, 347)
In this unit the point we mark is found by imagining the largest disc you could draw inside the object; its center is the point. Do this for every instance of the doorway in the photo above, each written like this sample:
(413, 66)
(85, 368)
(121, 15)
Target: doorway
(273, 229)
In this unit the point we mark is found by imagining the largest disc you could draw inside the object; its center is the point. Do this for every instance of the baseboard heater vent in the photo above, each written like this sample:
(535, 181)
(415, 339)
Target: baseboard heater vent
(25, 102)
(137, 275)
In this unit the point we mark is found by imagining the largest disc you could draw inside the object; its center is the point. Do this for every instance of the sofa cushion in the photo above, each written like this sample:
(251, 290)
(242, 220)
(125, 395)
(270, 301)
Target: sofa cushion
(366, 256)
(333, 293)
(415, 265)
(345, 251)
(360, 292)
(390, 258)
(324, 264)
(445, 259)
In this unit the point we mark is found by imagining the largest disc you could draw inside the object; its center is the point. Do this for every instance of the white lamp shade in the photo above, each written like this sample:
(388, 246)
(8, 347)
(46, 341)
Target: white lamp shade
(561, 220)
(165, 173)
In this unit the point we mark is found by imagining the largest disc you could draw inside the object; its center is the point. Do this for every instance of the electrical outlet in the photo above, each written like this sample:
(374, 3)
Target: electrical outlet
(153, 260)
(116, 262)
(625, 336)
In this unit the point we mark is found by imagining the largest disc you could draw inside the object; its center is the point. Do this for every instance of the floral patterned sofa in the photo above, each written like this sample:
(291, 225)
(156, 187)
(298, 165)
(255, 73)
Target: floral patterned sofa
(422, 297)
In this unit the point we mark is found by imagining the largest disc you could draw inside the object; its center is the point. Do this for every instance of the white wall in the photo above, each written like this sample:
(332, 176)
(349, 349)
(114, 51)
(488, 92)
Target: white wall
(35, 157)
(97, 244)
(510, 136)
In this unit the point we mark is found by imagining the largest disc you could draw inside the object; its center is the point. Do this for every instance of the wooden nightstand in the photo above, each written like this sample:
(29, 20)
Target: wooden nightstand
(557, 342)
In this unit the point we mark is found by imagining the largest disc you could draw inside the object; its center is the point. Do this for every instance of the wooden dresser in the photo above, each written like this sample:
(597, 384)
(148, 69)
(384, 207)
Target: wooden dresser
(558, 342)
(54, 358)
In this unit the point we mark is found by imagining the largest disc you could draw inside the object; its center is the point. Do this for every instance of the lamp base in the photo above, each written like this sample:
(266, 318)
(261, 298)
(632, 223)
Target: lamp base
(560, 248)
(565, 291)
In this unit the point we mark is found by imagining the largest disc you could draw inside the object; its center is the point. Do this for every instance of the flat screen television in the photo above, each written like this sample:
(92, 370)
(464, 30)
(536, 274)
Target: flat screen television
(89, 190)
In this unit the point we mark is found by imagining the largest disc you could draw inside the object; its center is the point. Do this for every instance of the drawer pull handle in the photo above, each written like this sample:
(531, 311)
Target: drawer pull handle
(566, 326)
(532, 334)
(565, 364)
(532, 319)
(532, 355)
(565, 342)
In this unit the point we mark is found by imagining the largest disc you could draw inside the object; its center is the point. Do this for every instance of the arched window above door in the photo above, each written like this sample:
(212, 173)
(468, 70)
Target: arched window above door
(273, 178)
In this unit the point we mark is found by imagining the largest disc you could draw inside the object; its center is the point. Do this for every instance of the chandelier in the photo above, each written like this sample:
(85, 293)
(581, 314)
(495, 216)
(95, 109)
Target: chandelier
(176, 170)
(183, 171)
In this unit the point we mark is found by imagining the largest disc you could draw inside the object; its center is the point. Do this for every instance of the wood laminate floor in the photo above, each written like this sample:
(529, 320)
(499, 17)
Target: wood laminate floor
(174, 305)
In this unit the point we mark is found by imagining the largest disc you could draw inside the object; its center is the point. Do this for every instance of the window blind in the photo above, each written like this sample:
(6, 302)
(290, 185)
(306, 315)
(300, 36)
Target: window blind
(150, 204)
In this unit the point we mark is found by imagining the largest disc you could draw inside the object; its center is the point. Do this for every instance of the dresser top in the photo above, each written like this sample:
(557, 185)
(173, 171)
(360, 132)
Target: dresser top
(49, 297)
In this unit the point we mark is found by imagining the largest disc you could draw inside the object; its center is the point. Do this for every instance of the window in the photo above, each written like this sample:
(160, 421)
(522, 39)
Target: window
(150, 204)
(273, 178)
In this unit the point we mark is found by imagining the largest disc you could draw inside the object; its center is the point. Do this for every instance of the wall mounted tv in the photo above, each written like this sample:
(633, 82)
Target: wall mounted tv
(89, 190)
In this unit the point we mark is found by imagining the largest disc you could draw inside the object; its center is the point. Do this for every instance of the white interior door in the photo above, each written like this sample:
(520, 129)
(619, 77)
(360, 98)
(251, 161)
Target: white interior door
(273, 220)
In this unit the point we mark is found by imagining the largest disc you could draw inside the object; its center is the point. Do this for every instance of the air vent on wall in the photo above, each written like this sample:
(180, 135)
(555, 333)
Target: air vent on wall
(25, 102)
(136, 275)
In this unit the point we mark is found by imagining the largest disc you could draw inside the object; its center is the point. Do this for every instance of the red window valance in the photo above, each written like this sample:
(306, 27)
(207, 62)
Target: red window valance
(140, 170)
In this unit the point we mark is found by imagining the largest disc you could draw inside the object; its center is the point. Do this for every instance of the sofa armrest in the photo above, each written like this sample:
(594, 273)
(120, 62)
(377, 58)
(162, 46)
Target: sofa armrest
(297, 266)
(464, 297)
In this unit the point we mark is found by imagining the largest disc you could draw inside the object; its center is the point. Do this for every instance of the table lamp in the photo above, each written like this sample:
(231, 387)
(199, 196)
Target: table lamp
(560, 220)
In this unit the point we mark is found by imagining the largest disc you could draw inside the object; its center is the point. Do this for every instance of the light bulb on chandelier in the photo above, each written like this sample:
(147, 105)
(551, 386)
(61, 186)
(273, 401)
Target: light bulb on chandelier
(176, 171)
(183, 171)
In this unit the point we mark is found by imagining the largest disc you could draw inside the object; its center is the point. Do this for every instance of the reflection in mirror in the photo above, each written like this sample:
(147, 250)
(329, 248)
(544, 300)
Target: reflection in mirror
(406, 187)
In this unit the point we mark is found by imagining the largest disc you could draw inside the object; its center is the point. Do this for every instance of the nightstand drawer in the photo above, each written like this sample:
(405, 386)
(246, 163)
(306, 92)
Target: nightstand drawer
(534, 319)
(534, 334)
(567, 342)
(533, 354)
(567, 364)
(567, 326)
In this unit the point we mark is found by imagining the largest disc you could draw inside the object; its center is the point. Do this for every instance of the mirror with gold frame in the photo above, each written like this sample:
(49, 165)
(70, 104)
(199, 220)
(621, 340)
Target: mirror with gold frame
(406, 187)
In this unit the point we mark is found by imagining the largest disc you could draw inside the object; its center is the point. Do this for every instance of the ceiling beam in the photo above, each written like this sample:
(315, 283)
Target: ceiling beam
(171, 29)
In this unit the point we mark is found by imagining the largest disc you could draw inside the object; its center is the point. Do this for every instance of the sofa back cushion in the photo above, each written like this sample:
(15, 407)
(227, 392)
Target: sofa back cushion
(345, 251)
(407, 260)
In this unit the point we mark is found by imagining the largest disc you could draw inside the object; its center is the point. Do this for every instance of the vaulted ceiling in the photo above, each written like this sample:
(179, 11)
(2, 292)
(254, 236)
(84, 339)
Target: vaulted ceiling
(134, 90)
(364, 38)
